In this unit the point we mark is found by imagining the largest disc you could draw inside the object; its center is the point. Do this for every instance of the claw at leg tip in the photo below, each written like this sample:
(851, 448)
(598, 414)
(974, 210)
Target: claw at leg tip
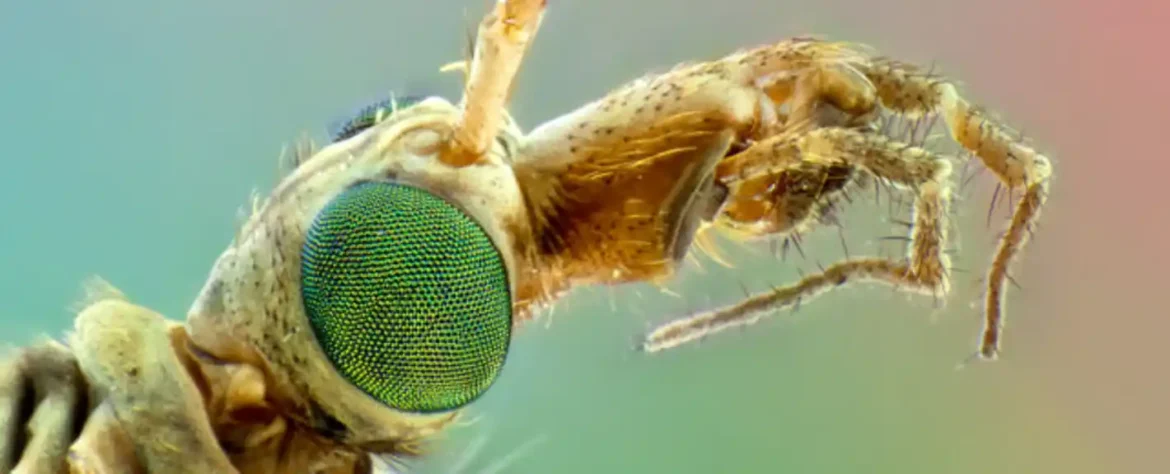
(981, 355)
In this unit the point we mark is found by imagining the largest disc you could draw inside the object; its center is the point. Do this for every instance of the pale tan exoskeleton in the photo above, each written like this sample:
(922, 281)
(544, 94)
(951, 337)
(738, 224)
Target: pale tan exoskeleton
(373, 294)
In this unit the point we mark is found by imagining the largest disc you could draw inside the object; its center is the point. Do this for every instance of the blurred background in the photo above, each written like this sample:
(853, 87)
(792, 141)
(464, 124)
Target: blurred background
(134, 130)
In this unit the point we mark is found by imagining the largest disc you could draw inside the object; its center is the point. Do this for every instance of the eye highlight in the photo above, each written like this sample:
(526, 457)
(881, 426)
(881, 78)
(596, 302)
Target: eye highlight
(407, 295)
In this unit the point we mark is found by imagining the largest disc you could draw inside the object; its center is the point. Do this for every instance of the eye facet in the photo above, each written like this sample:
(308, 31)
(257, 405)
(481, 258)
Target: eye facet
(369, 115)
(407, 295)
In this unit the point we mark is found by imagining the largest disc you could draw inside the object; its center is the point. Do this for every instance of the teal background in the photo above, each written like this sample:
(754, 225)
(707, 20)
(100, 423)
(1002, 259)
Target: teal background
(133, 131)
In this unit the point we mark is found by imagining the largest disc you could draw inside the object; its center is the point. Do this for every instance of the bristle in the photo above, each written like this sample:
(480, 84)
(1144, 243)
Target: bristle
(96, 289)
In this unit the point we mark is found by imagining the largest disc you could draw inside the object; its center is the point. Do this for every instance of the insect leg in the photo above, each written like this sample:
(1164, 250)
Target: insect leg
(855, 82)
(908, 89)
(128, 355)
(905, 166)
(41, 397)
(103, 446)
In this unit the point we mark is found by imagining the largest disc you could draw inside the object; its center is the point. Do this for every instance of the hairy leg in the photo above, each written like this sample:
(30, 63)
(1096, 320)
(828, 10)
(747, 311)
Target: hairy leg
(127, 354)
(910, 90)
(117, 399)
(859, 84)
(42, 397)
(903, 166)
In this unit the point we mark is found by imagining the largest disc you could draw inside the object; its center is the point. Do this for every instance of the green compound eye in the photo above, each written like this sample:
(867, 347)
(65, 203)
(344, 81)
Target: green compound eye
(408, 297)
(369, 115)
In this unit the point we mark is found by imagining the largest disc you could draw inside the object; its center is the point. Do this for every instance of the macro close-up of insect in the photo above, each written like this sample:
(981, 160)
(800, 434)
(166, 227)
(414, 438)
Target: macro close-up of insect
(375, 293)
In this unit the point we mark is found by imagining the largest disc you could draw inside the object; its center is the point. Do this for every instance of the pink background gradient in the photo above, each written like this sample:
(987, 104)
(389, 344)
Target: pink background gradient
(134, 130)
